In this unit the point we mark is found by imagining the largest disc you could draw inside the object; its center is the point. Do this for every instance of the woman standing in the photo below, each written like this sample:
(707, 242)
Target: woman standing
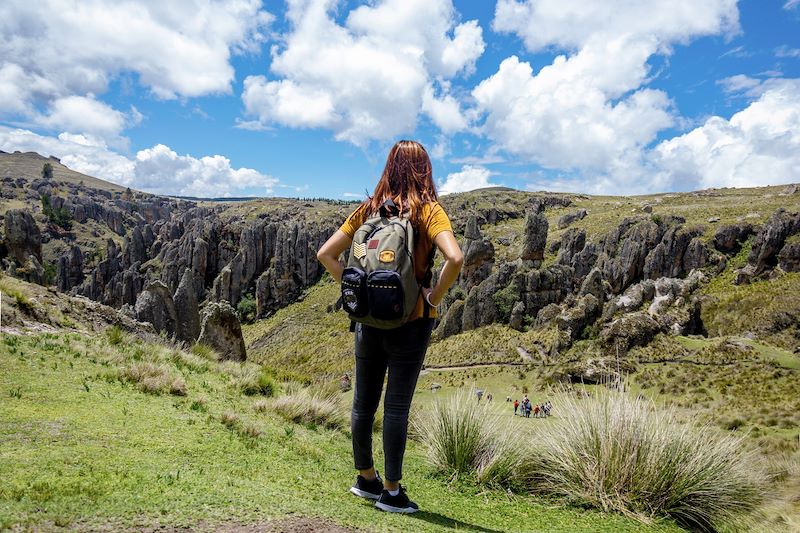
(407, 180)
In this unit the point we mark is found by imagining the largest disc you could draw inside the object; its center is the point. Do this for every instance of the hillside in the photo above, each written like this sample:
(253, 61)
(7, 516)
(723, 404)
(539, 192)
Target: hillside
(692, 298)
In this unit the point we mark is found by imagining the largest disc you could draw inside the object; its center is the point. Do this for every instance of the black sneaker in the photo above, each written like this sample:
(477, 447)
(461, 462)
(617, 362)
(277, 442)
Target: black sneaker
(368, 489)
(396, 504)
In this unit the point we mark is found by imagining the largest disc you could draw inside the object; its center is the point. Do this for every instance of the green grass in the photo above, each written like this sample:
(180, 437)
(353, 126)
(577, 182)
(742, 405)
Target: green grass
(81, 447)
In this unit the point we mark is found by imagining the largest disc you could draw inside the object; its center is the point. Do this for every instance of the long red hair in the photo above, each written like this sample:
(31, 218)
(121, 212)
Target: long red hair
(407, 179)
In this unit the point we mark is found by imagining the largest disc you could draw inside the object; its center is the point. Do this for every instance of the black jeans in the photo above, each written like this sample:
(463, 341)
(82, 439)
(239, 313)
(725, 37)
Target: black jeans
(401, 351)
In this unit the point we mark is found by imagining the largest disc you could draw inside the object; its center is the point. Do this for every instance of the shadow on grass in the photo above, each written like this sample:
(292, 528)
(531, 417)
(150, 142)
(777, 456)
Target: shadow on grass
(446, 521)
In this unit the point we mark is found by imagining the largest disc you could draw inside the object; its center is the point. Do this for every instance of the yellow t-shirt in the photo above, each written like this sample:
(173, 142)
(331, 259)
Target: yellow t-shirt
(433, 221)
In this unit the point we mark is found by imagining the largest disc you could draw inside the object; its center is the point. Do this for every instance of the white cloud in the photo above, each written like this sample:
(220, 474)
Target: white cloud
(445, 112)
(365, 79)
(590, 113)
(785, 51)
(158, 169)
(572, 24)
(759, 145)
(791, 4)
(174, 49)
(469, 178)
(739, 84)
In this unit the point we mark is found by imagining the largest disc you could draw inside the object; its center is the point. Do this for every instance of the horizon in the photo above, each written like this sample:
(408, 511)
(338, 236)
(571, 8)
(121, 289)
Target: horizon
(258, 99)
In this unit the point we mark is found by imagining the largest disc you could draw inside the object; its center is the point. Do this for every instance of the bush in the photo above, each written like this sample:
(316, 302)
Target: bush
(505, 299)
(60, 217)
(246, 308)
(463, 437)
(312, 407)
(616, 452)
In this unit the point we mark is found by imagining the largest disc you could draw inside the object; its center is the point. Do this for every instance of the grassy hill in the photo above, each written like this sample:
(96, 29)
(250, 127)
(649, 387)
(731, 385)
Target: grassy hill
(86, 446)
(28, 165)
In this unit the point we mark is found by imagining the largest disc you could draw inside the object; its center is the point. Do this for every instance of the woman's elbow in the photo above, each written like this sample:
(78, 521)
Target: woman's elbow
(457, 259)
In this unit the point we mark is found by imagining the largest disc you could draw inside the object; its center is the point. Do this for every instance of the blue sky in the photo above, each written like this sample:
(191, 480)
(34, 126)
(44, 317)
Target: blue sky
(305, 97)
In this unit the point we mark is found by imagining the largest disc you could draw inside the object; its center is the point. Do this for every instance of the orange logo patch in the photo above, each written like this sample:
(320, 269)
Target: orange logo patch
(386, 256)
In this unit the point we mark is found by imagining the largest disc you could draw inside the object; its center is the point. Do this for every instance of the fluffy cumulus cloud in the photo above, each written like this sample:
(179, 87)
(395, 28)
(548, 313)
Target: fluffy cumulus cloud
(590, 112)
(370, 77)
(759, 145)
(469, 178)
(176, 49)
(158, 169)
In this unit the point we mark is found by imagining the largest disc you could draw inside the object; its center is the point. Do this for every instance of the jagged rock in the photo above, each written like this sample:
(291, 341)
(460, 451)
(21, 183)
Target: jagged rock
(262, 294)
(480, 308)
(647, 208)
(546, 315)
(572, 242)
(155, 305)
(593, 284)
(70, 269)
(188, 313)
(625, 248)
(451, 323)
(728, 239)
(478, 255)
(114, 218)
(538, 288)
(222, 331)
(576, 317)
(789, 257)
(632, 299)
(517, 320)
(569, 218)
(696, 255)
(768, 243)
(22, 236)
(667, 258)
(633, 329)
(535, 236)
(134, 249)
(31, 271)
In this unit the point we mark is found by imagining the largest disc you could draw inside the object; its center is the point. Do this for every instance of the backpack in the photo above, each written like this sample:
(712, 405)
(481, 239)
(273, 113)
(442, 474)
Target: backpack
(379, 286)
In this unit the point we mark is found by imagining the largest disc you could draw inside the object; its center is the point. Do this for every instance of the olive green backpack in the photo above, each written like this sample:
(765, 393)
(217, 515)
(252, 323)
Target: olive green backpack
(379, 287)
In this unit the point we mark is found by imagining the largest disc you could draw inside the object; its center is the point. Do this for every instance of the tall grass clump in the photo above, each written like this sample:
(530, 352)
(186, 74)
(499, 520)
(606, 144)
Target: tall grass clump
(318, 408)
(462, 437)
(154, 378)
(620, 453)
(114, 335)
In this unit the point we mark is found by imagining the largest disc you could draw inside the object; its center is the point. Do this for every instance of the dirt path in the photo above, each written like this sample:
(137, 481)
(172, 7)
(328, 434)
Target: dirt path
(467, 366)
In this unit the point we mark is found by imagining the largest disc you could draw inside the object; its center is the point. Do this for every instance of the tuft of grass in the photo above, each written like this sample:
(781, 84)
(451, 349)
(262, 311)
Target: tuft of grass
(154, 378)
(114, 335)
(251, 379)
(619, 453)
(205, 351)
(312, 408)
(229, 419)
(23, 302)
(462, 437)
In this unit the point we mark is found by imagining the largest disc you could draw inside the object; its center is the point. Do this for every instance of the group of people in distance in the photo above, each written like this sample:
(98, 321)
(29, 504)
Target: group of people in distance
(540, 410)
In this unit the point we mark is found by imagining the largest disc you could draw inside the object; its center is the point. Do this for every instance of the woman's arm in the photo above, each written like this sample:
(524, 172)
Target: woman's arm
(453, 259)
(329, 254)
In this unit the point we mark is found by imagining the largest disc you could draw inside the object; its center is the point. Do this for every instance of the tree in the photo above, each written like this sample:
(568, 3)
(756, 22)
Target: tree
(47, 171)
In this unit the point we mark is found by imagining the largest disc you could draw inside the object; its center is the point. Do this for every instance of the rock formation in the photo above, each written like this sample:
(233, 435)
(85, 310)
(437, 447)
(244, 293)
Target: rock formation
(222, 331)
(186, 307)
(155, 305)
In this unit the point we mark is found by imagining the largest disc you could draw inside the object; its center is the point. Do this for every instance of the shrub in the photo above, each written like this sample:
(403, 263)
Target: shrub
(246, 308)
(312, 407)
(462, 437)
(616, 452)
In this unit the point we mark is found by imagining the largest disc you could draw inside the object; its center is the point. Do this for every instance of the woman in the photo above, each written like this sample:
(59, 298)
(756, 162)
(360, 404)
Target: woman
(408, 180)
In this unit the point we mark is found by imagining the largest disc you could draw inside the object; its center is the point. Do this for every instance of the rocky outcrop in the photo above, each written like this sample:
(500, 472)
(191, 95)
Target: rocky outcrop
(633, 329)
(186, 308)
(222, 331)
(478, 256)
(22, 236)
(70, 269)
(535, 236)
(728, 239)
(565, 220)
(789, 257)
(156, 306)
(768, 244)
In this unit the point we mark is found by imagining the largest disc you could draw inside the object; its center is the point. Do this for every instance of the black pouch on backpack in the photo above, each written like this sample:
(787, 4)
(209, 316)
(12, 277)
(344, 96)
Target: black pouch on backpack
(354, 292)
(385, 294)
